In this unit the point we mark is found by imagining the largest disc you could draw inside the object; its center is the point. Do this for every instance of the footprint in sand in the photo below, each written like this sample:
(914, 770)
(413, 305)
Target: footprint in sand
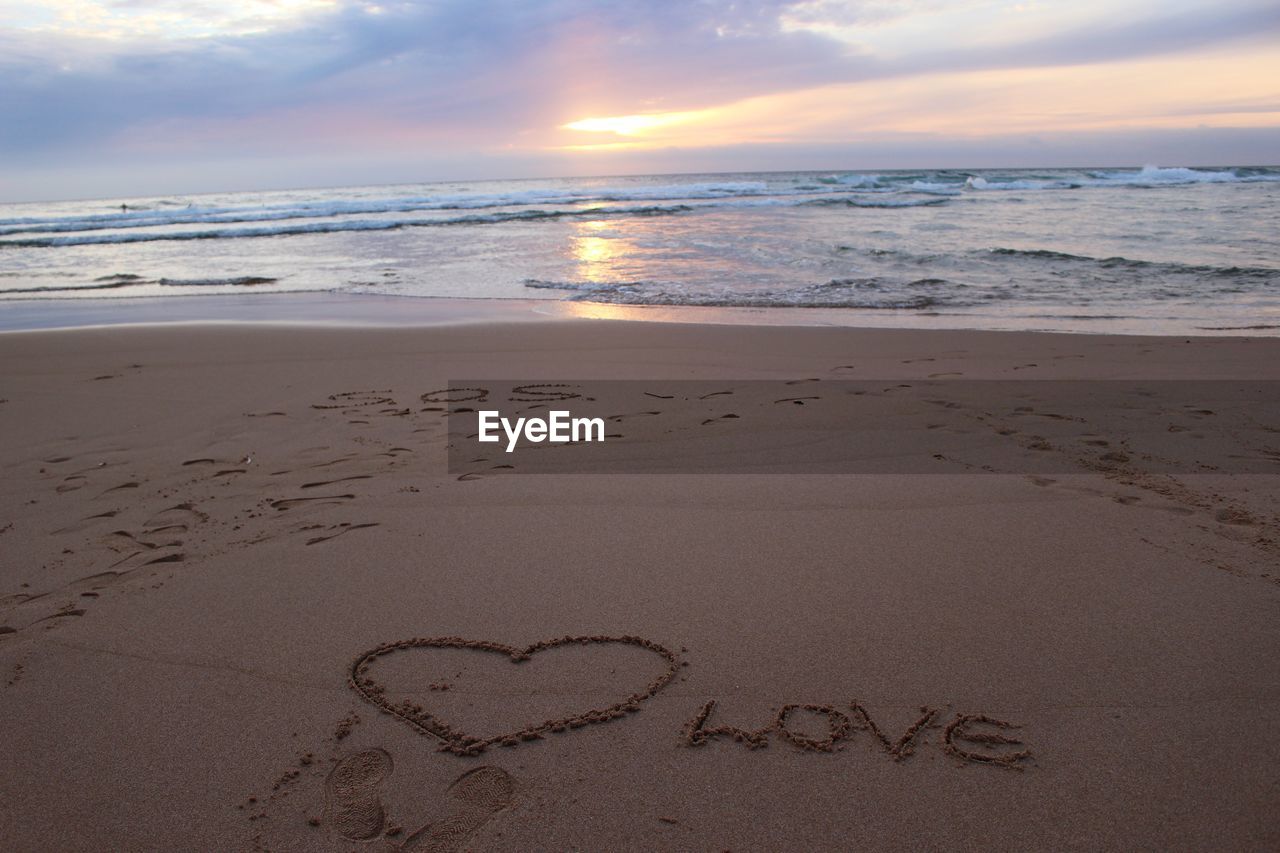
(1234, 515)
(353, 807)
(352, 804)
(473, 800)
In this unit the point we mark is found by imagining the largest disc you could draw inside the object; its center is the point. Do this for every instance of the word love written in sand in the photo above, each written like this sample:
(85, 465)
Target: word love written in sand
(969, 737)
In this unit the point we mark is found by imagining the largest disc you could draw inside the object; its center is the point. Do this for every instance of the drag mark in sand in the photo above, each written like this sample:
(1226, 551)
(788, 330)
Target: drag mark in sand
(464, 743)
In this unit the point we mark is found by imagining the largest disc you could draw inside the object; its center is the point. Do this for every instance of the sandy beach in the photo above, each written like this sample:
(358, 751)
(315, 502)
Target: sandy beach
(246, 603)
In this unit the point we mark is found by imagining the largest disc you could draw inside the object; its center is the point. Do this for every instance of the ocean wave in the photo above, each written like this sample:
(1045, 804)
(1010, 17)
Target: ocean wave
(936, 188)
(67, 288)
(115, 282)
(344, 225)
(875, 202)
(1117, 262)
(238, 281)
(854, 180)
(445, 201)
(905, 189)
(150, 218)
(946, 182)
(896, 254)
(119, 231)
(118, 236)
(895, 202)
(1154, 176)
(866, 293)
(977, 182)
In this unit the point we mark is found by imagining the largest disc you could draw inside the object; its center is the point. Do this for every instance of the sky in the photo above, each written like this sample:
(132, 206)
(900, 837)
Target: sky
(111, 98)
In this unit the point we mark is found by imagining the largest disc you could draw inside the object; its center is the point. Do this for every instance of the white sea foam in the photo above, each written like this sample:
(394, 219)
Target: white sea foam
(977, 182)
(1155, 176)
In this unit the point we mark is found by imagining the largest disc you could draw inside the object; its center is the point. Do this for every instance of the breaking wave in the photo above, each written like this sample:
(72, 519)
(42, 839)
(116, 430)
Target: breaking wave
(344, 225)
(1263, 274)
(147, 216)
(162, 219)
(131, 232)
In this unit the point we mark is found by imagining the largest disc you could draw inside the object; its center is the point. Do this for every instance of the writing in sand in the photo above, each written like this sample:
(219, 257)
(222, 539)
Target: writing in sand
(968, 737)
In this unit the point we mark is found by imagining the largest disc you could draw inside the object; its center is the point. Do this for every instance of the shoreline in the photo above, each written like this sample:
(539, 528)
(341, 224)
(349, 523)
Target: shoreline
(329, 309)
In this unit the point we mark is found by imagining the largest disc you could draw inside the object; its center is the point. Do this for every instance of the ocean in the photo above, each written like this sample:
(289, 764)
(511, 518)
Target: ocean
(1160, 250)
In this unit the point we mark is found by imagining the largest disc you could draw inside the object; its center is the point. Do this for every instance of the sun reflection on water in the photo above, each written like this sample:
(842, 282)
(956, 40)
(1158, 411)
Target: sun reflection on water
(597, 257)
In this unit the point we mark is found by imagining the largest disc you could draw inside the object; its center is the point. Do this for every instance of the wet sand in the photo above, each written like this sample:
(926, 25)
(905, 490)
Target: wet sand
(247, 605)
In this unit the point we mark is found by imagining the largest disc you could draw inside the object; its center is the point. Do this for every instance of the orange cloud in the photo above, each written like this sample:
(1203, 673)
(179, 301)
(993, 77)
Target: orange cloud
(1183, 91)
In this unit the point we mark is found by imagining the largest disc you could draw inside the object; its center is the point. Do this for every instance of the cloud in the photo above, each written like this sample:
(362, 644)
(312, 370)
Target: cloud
(155, 18)
(468, 74)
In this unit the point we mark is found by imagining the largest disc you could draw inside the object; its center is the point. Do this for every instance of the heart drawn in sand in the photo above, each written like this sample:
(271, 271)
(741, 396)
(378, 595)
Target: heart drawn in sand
(463, 743)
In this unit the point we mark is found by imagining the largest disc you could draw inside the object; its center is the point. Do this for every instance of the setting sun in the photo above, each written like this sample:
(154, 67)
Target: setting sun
(633, 125)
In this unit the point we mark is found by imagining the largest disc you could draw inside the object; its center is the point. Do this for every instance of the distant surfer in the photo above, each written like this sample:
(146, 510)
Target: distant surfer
(124, 207)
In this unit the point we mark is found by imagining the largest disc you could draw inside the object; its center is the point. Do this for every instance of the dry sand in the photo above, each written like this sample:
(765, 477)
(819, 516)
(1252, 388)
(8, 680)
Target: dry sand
(246, 606)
